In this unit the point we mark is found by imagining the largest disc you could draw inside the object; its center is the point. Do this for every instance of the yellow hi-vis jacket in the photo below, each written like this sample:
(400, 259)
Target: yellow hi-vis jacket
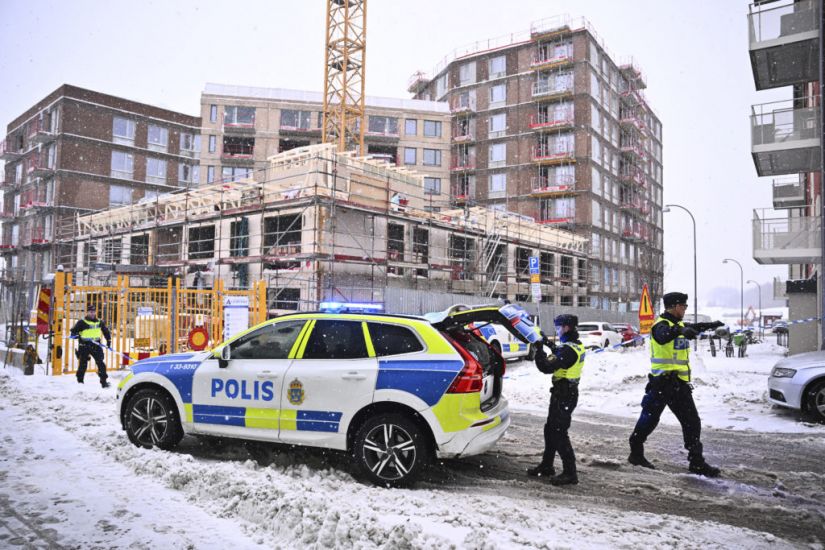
(673, 356)
(574, 372)
(92, 330)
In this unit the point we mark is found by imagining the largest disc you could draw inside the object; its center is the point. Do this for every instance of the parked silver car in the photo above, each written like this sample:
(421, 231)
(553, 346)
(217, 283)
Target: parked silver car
(798, 382)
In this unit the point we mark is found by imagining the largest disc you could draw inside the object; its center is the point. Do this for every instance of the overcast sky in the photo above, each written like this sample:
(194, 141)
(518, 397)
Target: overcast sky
(693, 54)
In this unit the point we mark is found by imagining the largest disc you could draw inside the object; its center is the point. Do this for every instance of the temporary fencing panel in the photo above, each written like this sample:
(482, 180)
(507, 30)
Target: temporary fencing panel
(144, 322)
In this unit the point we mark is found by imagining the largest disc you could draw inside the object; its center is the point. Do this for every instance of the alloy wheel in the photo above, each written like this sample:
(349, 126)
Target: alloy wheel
(389, 451)
(149, 421)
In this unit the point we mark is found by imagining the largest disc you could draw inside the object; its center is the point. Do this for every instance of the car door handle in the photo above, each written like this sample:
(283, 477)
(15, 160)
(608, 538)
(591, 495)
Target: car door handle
(267, 375)
(353, 376)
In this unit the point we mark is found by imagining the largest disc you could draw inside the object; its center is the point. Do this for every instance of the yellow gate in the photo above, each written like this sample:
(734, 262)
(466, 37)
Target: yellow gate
(143, 322)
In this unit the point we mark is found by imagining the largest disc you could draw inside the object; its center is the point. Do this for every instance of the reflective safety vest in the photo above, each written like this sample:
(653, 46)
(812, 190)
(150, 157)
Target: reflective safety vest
(574, 372)
(673, 356)
(92, 330)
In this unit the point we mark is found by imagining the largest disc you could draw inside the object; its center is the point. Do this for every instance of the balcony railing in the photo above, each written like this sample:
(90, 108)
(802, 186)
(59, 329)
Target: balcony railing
(38, 167)
(463, 163)
(556, 185)
(552, 155)
(550, 89)
(789, 193)
(40, 131)
(545, 59)
(463, 104)
(554, 119)
(781, 239)
(632, 175)
(785, 138)
(8, 152)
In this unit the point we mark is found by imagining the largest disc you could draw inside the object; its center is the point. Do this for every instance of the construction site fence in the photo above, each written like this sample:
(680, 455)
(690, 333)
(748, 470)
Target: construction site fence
(145, 321)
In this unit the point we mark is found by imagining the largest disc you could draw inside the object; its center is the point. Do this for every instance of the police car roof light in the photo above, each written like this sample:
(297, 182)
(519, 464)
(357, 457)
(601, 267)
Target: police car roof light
(350, 307)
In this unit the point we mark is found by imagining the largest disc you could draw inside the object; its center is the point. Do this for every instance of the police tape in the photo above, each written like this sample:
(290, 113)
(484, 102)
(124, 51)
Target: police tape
(123, 355)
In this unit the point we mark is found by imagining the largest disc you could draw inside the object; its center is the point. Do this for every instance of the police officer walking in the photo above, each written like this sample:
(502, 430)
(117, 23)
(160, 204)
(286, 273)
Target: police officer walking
(669, 385)
(90, 330)
(565, 364)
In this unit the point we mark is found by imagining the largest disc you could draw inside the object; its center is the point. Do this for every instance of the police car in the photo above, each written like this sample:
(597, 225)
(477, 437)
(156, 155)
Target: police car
(503, 341)
(393, 390)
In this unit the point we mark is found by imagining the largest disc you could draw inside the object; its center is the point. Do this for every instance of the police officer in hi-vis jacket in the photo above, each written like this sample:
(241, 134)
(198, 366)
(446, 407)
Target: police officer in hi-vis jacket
(89, 331)
(669, 384)
(565, 364)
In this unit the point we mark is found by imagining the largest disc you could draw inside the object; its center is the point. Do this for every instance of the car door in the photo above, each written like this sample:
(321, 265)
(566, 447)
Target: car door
(242, 398)
(613, 334)
(332, 377)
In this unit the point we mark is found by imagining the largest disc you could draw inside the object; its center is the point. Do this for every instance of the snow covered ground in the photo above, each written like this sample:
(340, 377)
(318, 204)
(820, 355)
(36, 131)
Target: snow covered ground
(69, 477)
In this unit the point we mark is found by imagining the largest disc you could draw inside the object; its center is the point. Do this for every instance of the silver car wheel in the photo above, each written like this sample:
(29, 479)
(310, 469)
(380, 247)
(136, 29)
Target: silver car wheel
(148, 421)
(389, 451)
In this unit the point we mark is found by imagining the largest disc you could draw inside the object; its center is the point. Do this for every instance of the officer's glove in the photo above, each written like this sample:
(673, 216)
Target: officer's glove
(549, 343)
(717, 324)
(108, 344)
(540, 353)
(689, 333)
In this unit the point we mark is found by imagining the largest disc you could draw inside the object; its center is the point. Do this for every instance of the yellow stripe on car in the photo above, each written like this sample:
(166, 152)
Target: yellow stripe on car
(458, 411)
(262, 418)
(368, 340)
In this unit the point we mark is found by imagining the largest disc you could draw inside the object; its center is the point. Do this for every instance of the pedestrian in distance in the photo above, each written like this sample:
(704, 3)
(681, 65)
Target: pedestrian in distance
(565, 364)
(669, 385)
(30, 358)
(90, 331)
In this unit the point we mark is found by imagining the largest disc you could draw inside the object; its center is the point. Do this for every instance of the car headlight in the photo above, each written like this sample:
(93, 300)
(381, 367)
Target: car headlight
(779, 372)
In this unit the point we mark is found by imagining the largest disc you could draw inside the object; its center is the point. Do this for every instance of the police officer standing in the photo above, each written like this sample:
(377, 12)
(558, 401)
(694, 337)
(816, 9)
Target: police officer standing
(90, 330)
(565, 364)
(669, 384)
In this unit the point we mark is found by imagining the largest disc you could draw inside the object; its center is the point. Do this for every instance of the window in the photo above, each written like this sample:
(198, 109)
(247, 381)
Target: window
(213, 143)
(498, 154)
(213, 113)
(596, 181)
(432, 186)
(119, 195)
(498, 66)
(498, 94)
(409, 155)
(112, 250)
(235, 173)
(201, 242)
(498, 125)
(210, 174)
(190, 143)
(440, 86)
(393, 339)
(410, 127)
(270, 342)
(239, 116)
(282, 235)
(188, 173)
(155, 170)
(596, 214)
(284, 298)
(239, 238)
(150, 195)
(238, 147)
(432, 157)
(523, 263)
(336, 340)
(123, 165)
(467, 73)
(139, 250)
(432, 128)
(382, 125)
(123, 131)
(498, 183)
(596, 152)
(158, 138)
(546, 266)
(295, 120)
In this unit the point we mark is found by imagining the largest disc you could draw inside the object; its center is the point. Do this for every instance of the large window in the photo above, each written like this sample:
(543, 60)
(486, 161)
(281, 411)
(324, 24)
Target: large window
(213, 113)
(201, 242)
(239, 238)
(119, 195)
(158, 138)
(213, 143)
(155, 170)
(190, 143)
(235, 173)
(336, 340)
(139, 249)
(239, 116)
(393, 339)
(123, 131)
(498, 183)
(432, 186)
(498, 125)
(123, 165)
(432, 157)
(498, 66)
(409, 155)
(467, 73)
(498, 154)
(432, 128)
(295, 120)
(188, 173)
(270, 342)
(410, 127)
(383, 125)
(112, 250)
(282, 235)
(498, 94)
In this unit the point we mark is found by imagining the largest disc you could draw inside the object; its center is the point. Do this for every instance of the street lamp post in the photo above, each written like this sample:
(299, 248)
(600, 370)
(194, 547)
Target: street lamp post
(741, 290)
(759, 326)
(695, 292)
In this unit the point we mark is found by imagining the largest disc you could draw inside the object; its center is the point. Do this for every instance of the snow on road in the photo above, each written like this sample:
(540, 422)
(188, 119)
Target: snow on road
(69, 477)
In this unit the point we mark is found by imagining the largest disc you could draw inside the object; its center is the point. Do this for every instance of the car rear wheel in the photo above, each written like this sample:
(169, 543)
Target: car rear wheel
(151, 420)
(390, 450)
(816, 401)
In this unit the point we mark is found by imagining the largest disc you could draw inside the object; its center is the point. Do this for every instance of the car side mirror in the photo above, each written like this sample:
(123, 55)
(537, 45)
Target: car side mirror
(226, 355)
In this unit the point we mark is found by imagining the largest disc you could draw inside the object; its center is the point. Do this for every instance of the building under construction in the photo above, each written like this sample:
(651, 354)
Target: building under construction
(323, 225)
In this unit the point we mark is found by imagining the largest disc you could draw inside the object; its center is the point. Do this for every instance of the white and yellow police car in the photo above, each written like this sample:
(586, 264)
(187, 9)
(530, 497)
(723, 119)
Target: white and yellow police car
(393, 390)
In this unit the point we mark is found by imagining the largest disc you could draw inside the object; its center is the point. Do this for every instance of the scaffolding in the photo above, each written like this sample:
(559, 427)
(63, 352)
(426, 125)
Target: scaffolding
(324, 225)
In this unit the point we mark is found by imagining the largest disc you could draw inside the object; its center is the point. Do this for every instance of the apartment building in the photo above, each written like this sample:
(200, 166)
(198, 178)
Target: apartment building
(548, 124)
(243, 126)
(78, 151)
(786, 146)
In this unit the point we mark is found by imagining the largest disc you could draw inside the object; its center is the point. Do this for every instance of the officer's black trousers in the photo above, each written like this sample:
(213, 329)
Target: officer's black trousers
(85, 351)
(563, 400)
(669, 391)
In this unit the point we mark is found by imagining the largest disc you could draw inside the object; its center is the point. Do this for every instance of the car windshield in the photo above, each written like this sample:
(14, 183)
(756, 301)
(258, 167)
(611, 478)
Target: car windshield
(588, 328)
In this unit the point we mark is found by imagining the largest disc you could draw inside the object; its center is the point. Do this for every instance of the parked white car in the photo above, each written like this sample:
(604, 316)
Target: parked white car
(596, 334)
(798, 382)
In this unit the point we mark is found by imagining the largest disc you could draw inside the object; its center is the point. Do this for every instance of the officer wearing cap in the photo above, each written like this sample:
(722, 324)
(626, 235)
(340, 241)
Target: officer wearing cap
(90, 330)
(669, 385)
(565, 364)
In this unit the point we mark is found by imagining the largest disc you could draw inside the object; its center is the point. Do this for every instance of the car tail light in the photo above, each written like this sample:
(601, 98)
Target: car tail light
(595, 333)
(471, 377)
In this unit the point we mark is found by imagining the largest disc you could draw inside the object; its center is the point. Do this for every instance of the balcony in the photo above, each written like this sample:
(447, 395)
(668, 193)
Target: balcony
(549, 155)
(629, 121)
(635, 233)
(789, 193)
(460, 193)
(40, 131)
(633, 174)
(783, 42)
(463, 137)
(786, 240)
(557, 218)
(549, 90)
(38, 168)
(633, 75)
(635, 206)
(633, 151)
(559, 119)
(6, 215)
(243, 127)
(544, 60)
(8, 152)
(564, 184)
(785, 138)
(553, 27)
(462, 163)
(464, 103)
(237, 157)
(37, 237)
(7, 246)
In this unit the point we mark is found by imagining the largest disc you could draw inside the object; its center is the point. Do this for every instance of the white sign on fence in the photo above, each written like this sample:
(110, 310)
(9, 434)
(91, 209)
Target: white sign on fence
(235, 315)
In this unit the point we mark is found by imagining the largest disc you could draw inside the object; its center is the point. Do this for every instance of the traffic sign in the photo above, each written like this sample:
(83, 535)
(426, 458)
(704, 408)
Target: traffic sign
(536, 289)
(646, 315)
(534, 265)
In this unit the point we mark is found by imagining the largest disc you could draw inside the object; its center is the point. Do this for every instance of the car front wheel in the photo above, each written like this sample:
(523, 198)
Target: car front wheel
(816, 401)
(390, 450)
(151, 420)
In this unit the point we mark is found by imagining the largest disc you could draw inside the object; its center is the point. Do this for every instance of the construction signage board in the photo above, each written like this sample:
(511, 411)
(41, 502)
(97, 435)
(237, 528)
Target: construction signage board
(235, 315)
(43, 309)
(646, 315)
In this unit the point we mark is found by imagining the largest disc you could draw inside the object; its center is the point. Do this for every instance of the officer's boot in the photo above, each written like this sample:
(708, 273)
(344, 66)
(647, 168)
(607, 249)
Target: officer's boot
(637, 456)
(698, 465)
(542, 470)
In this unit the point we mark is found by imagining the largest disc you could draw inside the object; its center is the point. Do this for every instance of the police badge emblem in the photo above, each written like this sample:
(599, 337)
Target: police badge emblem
(296, 392)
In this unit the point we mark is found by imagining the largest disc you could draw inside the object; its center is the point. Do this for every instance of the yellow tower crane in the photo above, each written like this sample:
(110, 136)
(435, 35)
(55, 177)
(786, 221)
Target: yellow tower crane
(344, 122)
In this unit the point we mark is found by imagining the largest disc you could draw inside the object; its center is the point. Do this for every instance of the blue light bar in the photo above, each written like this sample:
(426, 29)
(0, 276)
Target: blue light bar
(350, 307)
